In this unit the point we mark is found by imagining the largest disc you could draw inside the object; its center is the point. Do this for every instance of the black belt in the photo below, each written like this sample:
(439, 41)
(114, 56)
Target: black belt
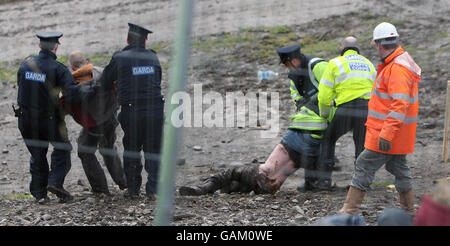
(309, 131)
(131, 105)
(355, 101)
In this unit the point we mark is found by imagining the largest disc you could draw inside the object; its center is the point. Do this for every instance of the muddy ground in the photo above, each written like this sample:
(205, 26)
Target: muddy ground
(231, 41)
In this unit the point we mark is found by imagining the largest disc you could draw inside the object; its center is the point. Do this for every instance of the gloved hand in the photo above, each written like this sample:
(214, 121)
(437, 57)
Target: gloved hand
(300, 102)
(384, 145)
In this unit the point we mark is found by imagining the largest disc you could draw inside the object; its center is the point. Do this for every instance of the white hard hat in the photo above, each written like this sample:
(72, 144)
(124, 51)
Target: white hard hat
(384, 30)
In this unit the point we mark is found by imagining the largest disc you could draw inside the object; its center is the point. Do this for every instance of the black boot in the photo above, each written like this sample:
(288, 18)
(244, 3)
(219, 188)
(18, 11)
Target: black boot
(63, 195)
(245, 177)
(208, 187)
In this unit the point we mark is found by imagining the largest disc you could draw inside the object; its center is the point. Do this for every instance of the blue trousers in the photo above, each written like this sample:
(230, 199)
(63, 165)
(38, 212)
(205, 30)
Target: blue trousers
(142, 126)
(38, 131)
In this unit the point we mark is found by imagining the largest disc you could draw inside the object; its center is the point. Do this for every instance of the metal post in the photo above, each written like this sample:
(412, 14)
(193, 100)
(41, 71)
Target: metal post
(172, 135)
(446, 126)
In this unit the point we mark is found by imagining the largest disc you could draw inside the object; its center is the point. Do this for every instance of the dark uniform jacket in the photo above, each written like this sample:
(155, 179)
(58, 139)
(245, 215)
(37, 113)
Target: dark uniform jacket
(41, 79)
(138, 75)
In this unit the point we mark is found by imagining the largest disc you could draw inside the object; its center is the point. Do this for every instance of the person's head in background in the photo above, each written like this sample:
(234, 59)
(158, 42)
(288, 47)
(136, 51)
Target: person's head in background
(77, 60)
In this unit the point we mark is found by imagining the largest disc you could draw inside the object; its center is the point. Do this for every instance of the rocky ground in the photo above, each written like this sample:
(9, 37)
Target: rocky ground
(226, 54)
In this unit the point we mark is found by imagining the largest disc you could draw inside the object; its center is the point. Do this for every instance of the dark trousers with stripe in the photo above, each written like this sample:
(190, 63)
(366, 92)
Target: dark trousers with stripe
(350, 116)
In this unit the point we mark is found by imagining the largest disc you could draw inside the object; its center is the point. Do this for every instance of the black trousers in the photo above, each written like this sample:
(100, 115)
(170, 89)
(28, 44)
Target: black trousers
(38, 130)
(142, 126)
(87, 146)
(350, 116)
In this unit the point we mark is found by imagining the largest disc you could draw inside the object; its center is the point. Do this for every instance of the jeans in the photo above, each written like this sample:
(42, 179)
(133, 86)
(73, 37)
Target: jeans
(395, 217)
(306, 151)
(341, 220)
(301, 142)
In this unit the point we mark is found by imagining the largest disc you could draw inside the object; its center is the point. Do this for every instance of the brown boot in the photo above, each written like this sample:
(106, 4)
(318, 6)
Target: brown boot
(407, 201)
(353, 201)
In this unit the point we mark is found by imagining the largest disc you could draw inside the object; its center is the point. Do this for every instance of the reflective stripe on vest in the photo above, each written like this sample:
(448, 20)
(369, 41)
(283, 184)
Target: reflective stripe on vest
(394, 115)
(355, 75)
(386, 96)
(311, 74)
(310, 125)
(294, 92)
(327, 83)
(308, 120)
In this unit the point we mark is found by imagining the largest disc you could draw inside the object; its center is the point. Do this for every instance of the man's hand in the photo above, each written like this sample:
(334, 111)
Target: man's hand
(384, 145)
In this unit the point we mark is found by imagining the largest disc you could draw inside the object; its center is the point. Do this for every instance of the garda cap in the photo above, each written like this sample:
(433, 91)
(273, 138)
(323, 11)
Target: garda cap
(288, 53)
(49, 36)
(138, 30)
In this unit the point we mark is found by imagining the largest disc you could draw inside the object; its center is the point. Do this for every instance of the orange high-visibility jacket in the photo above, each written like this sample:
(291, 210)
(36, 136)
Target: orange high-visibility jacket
(394, 105)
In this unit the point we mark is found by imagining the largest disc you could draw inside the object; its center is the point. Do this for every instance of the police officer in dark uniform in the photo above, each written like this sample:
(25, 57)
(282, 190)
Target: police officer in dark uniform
(41, 119)
(304, 73)
(138, 75)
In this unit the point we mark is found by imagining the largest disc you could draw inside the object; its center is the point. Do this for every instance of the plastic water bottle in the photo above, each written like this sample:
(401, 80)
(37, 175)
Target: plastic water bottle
(267, 75)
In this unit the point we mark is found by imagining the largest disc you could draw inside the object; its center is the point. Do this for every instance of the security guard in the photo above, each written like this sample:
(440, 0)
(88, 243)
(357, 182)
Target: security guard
(138, 75)
(305, 72)
(41, 119)
(346, 84)
(299, 147)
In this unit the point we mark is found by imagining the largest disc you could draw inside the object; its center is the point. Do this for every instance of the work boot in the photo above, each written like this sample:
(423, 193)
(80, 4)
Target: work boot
(407, 201)
(353, 201)
(42, 200)
(246, 178)
(203, 189)
(63, 195)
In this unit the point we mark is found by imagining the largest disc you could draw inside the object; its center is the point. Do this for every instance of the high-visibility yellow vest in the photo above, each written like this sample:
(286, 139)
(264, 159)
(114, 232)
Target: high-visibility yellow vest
(306, 118)
(346, 78)
(314, 73)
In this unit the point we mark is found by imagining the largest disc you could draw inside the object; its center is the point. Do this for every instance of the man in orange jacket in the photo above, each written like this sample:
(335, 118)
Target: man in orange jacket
(98, 118)
(391, 122)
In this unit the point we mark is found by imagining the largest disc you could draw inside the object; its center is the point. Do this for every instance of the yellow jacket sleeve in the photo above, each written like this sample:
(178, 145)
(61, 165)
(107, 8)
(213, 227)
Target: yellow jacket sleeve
(326, 89)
